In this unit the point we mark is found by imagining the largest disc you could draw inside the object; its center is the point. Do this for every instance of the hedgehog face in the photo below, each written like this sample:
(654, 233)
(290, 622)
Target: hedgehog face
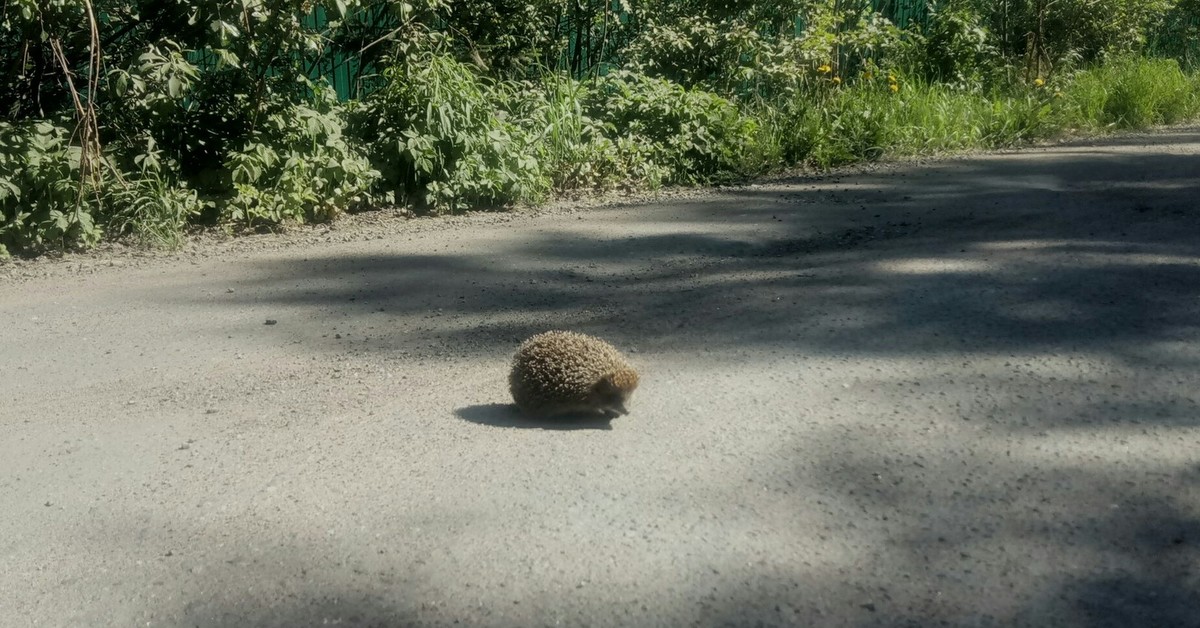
(612, 392)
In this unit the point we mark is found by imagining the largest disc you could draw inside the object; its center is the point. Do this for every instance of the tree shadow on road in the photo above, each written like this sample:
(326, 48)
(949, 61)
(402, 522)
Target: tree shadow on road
(1035, 511)
(1077, 250)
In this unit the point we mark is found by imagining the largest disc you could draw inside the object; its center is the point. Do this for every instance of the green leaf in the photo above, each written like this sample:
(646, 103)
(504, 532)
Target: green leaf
(8, 189)
(121, 84)
(228, 58)
(59, 220)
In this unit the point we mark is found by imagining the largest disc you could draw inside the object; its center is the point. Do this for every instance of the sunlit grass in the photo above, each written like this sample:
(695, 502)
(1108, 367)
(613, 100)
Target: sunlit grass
(882, 116)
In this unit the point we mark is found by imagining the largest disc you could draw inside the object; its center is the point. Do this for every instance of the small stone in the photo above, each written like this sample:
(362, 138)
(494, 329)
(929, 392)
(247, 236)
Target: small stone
(270, 321)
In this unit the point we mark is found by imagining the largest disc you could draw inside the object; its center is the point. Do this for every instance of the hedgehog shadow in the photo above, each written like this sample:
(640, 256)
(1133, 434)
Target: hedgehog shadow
(508, 415)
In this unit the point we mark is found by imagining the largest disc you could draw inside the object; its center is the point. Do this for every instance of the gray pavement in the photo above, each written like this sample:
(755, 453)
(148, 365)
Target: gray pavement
(959, 393)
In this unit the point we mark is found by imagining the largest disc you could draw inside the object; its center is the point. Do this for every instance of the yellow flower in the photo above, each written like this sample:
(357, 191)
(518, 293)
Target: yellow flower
(1058, 94)
(894, 87)
(837, 80)
(1039, 82)
(891, 78)
(825, 69)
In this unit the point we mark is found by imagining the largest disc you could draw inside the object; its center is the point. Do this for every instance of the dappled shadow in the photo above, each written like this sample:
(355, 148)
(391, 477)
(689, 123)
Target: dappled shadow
(1042, 494)
(1081, 250)
(1049, 491)
(1125, 600)
(507, 415)
(1101, 555)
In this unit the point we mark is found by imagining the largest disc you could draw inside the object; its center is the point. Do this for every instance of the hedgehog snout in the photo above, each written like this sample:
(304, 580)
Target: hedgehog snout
(612, 392)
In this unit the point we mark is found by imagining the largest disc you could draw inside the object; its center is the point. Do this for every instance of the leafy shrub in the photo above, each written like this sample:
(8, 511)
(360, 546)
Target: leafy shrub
(1091, 29)
(957, 47)
(443, 140)
(299, 166)
(695, 135)
(208, 110)
(145, 105)
(743, 57)
(574, 148)
(697, 51)
(40, 201)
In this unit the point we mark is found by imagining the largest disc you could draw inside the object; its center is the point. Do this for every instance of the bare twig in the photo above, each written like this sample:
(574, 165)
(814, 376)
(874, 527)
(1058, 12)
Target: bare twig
(87, 128)
(389, 35)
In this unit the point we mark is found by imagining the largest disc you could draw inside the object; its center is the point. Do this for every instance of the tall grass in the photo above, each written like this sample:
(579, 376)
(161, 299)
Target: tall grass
(867, 122)
(1131, 93)
(874, 118)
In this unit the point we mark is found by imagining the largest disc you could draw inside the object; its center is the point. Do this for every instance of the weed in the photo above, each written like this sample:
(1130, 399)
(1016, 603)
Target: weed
(1130, 93)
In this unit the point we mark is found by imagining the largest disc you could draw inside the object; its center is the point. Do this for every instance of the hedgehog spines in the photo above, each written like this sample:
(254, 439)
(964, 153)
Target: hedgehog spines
(562, 372)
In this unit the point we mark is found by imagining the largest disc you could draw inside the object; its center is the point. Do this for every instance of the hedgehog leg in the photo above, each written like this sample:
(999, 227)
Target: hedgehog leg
(615, 410)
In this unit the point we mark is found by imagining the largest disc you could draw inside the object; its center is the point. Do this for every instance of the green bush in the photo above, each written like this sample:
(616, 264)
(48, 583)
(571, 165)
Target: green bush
(957, 47)
(575, 148)
(697, 136)
(696, 51)
(850, 126)
(300, 167)
(442, 138)
(40, 199)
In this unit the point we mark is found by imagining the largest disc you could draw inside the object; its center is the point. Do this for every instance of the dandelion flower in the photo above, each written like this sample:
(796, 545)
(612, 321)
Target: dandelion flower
(1039, 82)
(894, 87)
(837, 80)
(825, 69)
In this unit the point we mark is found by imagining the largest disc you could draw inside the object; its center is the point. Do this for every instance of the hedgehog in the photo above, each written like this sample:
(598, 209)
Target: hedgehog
(561, 372)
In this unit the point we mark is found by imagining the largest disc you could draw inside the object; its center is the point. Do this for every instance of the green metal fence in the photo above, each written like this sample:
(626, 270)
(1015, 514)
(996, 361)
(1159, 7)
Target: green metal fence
(350, 76)
(1179, 38)
(343, 71)
(904, 12)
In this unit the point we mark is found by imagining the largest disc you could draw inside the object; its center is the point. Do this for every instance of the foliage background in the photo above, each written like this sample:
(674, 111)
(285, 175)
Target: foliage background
(139, 118)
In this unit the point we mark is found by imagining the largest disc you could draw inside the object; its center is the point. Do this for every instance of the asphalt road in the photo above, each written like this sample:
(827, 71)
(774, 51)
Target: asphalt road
(958, 393)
